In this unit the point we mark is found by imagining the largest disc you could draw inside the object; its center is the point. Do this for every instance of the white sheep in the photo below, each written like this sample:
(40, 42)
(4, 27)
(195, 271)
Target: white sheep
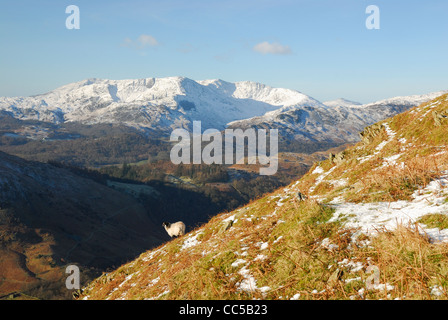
(176, 229)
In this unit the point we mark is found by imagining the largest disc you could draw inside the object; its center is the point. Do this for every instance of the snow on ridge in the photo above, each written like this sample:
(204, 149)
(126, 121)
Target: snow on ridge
(413, 100)
(389, 160)
(341, 102)
(131, 101)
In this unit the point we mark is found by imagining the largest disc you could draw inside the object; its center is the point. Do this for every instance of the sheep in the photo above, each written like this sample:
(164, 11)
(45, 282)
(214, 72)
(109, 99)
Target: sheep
(176, 229)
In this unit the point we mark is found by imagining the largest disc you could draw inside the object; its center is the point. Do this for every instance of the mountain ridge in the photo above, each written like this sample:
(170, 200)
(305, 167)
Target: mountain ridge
(170, 98)
(341, 102)
(159, 105)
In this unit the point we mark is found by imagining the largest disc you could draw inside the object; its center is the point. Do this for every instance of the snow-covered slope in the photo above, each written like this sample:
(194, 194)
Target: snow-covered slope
(397, 175)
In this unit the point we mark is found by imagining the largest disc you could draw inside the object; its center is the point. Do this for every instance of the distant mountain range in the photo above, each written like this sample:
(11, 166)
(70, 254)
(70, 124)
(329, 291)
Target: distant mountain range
(159, 105)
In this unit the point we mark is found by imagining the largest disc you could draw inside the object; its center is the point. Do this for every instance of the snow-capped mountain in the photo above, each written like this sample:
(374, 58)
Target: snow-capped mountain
(163, 104)
(341, 102)
(339, 122)
(155, 103)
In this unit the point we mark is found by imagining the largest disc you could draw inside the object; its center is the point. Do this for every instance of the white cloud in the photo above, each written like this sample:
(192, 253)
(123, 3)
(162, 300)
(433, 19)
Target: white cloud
(145, 40)
(271, 48)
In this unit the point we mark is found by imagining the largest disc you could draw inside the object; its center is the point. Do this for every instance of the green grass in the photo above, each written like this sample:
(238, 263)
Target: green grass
(437, 220)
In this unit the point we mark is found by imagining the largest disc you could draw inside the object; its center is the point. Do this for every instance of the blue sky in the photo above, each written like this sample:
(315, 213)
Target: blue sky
(319, 47)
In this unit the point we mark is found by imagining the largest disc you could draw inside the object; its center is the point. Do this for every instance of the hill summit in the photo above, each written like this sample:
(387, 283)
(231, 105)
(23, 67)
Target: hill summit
(367, 223)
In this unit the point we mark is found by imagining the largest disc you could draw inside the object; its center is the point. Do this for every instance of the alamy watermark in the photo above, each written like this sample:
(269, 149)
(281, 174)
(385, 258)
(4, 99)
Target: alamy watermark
(73, 280)
(73, 21)
(231, 150)
(373, 281)
(373, 20)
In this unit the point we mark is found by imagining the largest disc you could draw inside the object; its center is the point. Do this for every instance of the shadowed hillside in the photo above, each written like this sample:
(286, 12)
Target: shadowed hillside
(50, 218)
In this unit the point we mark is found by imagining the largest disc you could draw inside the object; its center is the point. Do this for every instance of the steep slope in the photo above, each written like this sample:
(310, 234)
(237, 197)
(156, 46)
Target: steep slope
(50, 218)
(367, 223)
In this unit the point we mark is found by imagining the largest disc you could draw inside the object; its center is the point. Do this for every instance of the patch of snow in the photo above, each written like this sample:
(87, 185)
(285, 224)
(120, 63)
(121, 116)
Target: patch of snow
(249, 283)
(339, 183)
(392, 159)
(190, 242)
(154, 281)
(238, 262)
(381, 146)
(352, 279)
(351, 265)
(279, 238)
(382, 286)
(157, 297)
(337, 200)
(365, 158)
(325, 243)
(295, 297)
(389, 131)
(150, 255)
(318, 170)
(263, 245)
(437, 290)
(231, 218)
(260, 257)
(370, 217)
(321, 178)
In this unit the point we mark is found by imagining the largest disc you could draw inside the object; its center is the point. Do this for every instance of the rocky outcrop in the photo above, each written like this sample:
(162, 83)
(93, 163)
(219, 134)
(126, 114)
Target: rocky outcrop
(439, 117)
(370, 132)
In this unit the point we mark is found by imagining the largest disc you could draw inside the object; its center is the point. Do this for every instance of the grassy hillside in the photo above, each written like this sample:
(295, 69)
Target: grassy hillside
(372, 226)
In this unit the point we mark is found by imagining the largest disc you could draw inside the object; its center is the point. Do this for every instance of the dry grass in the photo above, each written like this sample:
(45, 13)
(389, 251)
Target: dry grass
(294, 262)
(408, 261)
(304, 255)
(395, 182)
